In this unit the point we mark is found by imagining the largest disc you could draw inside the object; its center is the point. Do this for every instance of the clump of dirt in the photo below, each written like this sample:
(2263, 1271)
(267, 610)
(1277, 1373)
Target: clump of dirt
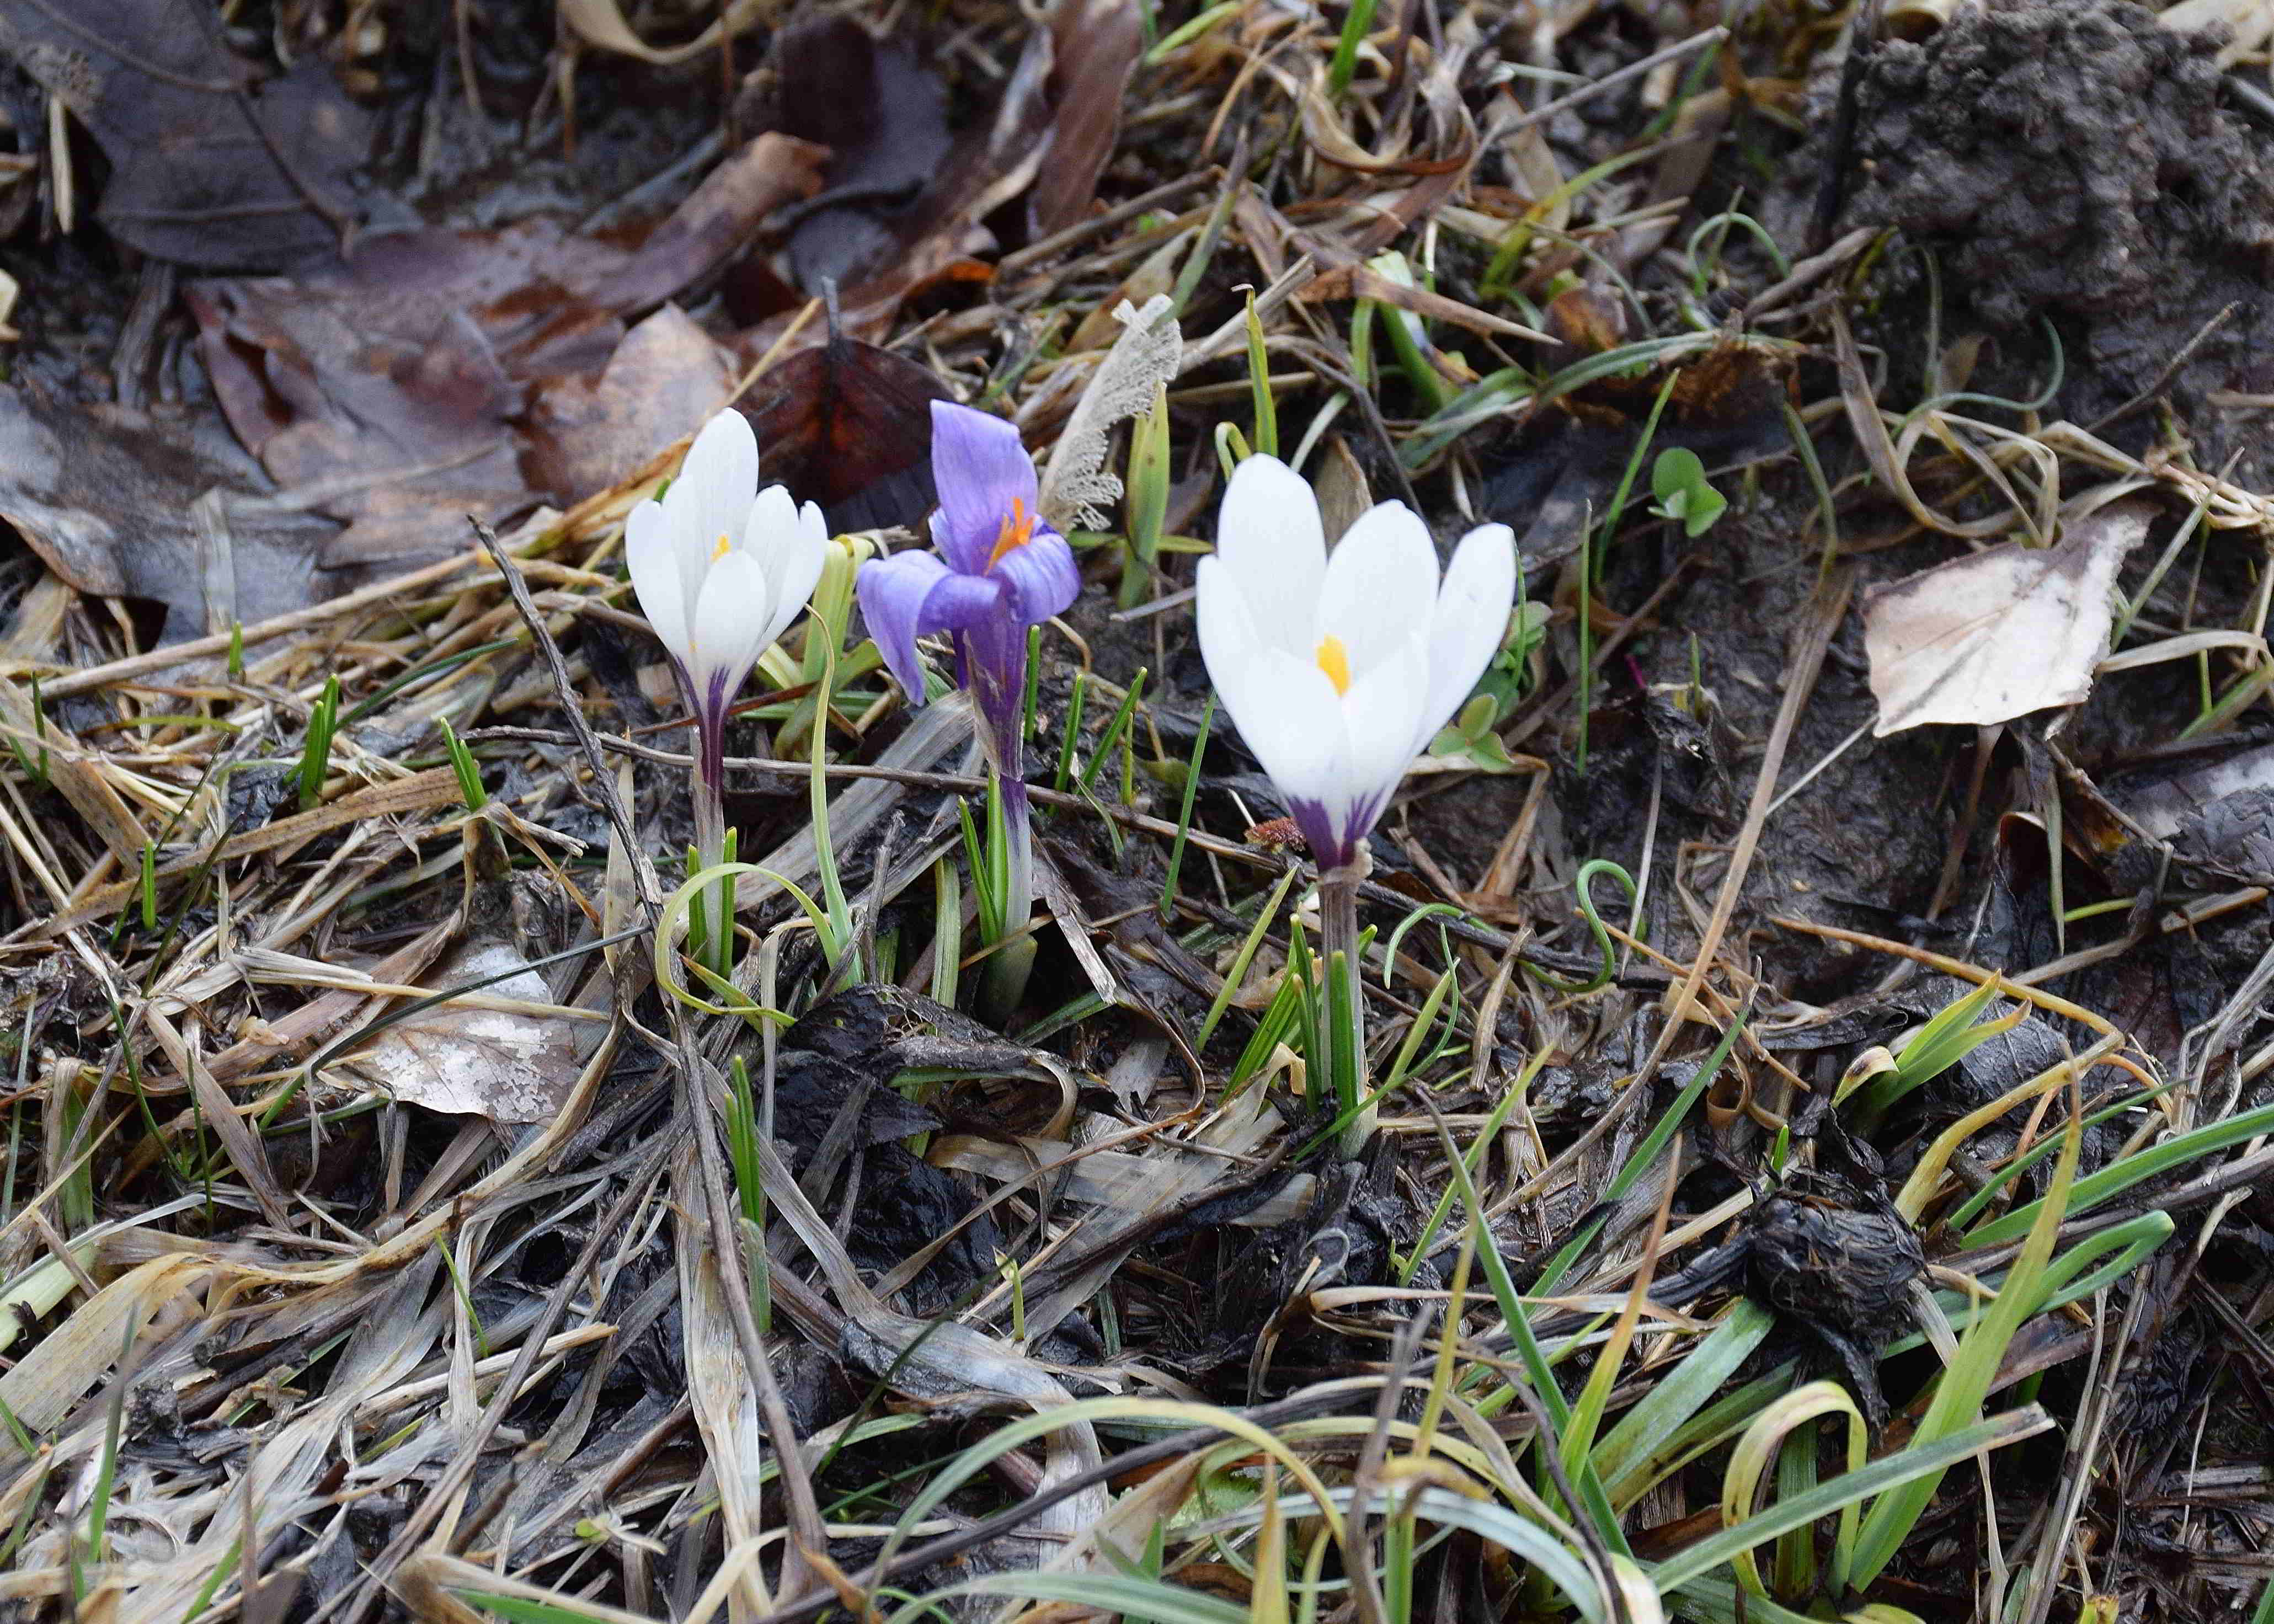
(2072, 162)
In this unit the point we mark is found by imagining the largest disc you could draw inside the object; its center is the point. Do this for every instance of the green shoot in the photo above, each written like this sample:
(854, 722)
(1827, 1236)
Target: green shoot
(1032, 697)
(947, 932)
(1077, 712)
(1259, 381)
(1185, 812)
(316, 754)
(1353, 36)
(471, 789)
(1231, 448)
(1111, 737)
(1146, 507)
(742, 1131)
(1409, 336)
(1244, 958)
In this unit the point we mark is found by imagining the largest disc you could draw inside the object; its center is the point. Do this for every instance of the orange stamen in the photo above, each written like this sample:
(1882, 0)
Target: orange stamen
(1334, 659)
(1017, 531)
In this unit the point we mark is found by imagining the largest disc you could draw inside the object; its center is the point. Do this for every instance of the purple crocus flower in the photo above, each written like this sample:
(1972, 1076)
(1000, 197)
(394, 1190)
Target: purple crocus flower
(998, 569)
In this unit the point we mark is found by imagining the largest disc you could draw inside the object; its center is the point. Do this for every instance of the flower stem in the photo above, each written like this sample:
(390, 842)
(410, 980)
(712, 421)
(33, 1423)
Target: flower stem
(1345, 1038)
(1009, 964)
(710, 921)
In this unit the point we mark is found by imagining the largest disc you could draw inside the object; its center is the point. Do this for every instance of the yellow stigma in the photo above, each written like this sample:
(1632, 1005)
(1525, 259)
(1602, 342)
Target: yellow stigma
(719, 550)
(1334, 659)
(1017, 531)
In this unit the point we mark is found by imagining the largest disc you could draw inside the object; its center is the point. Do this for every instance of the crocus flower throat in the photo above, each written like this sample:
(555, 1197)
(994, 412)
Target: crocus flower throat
(1018, 530)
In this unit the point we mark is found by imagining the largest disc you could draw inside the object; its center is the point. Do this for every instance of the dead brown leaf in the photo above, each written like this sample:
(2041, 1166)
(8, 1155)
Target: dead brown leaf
(1998, 633)
(849, 425)
(207, 168)
(158, 506)
(396, 383)
(665, 380)
(471, 1059)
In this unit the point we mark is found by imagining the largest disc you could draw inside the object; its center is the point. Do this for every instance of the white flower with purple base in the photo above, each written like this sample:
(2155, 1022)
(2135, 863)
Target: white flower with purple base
(721, 568)
(1340, 669)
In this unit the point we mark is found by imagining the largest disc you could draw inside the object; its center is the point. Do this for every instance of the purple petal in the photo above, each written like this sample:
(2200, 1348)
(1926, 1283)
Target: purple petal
(892, 592)
(1327, 830)
(961, 604)
(983, 474)
(1040, 579)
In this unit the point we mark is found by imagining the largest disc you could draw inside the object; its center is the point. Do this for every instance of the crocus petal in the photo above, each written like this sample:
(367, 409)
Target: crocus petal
(891, 591)
(1471, 619)
(796, 558)
(770, 533)
(1230, 646)
(656, 577)
(711, 496)
(1295, 732)
(981, 471)
(1251, 679)
(961, 604)
(1039, 579)
(1377, 733)
(730, 630)
(1380, 585)
(1268, 535)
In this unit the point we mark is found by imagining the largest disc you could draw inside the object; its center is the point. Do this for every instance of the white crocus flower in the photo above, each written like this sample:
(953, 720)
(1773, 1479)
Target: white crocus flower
(722, 567)
(1340, 669)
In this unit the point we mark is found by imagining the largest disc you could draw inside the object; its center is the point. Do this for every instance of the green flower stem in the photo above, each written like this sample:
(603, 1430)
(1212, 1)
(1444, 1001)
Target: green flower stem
(1343, 1030)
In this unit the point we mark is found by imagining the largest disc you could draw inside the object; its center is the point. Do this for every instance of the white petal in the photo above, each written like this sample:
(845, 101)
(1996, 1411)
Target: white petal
(1380, 585)
(795, 547)
(1288, 723)
(1378, 718)
(711, 499)
(656, 577)
(1296, 727)
(1268, 535)
(730, 621)
(1230, 646)
(1471, 619)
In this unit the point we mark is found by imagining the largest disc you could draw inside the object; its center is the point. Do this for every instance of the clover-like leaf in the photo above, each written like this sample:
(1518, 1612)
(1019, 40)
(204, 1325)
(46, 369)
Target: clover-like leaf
(1677, 479)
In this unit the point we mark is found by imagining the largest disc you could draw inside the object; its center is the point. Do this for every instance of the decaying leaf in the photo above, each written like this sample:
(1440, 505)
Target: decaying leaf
(883, 115)
(1094, 47)
(207, 168)
(396, 382)
(1999, 634)
(664, 380)
(848, 425)
(471, 1057)
(1076, 489)
(125, 504)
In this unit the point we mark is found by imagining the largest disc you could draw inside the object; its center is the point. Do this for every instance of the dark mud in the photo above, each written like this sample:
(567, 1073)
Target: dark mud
(2079, 165)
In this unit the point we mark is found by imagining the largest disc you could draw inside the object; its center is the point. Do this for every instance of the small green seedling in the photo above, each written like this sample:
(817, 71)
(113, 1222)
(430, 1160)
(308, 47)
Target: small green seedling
(1470, 737)
(1473, 735)
(1677, 479)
